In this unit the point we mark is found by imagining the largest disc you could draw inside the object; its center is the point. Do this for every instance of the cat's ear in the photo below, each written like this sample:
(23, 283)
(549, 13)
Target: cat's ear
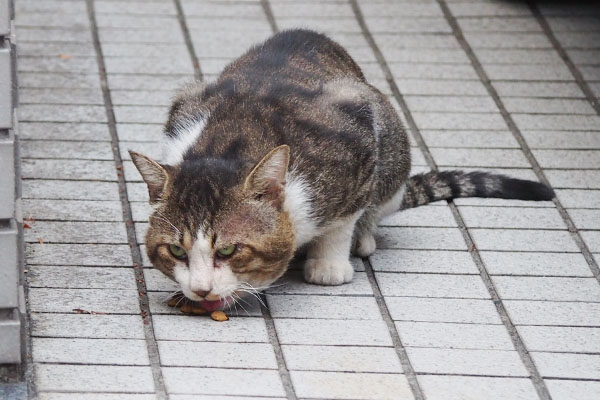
(153, 174)
(267, 179)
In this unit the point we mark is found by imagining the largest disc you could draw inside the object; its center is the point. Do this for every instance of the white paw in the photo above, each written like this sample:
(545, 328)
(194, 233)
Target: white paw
(323, 271)
(365, 245)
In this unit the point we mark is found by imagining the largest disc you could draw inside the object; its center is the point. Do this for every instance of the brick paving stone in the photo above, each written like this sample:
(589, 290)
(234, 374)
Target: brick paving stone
(566, 389)
(562, 24)
(72, 210)
(543, 264)
(60, 96)
(468, 387)
(97, 300)
(547, 106)
(147, 49)
(562, 140)
(479, 157)
(332, 332)
(222, 381)
(585, 219)
(140, 132)
(157, 34)
(148, 65)
(577, 198)
(488, 9)
(250, 9)
(579, 179)
(335, 307)
(95, 396)
(405, 9)
(546, 288)
(565, 365)
(341, 359)
(68, 169)
(528, 72)
(49, 6)
(432, 285)
(139, 114)
(148, 148)
(134, 8)
(80, 65)
(499, 24)
(141, 211)
(433, 120)
(78, 254)
(90, 351)
(56, 80)
(466, 362)
(517, 56)
(568, 158)
(538, 89)
(147, 82)
(454, 336)
(423, 261)
(293, 283)
(64, 131)
(449, 103)
(134, 21)
(70, 190)
(94, 378)
(49, 34)
(519, 173)
(564, 122)
(582, 57)
(338, 385)
(506, 40)
(157, 281)
(216, 355)
(390, 43)
(203, 329)
(213, 397)
(523, 240)
(592, 238)
(479, 202)
(80, 277)
(419, 309)
(44, 19)
(87, 326)
(512, 217)
(419, 238)
(553, 313)
(452, 88)
(561, 339)
(142, 97)
(66, 150)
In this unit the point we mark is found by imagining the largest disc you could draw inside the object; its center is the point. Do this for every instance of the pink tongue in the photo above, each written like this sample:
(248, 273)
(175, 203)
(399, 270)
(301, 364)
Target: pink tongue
(211, 305)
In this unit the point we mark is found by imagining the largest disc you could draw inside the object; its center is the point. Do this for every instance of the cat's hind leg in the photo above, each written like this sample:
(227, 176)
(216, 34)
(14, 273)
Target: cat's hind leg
(327, 258)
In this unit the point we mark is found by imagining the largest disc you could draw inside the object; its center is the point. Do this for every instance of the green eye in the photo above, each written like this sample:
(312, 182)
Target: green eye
(226, 251)
(178, 252)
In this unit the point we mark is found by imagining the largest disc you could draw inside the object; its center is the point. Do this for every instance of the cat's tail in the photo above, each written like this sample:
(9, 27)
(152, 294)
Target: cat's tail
(432, 186)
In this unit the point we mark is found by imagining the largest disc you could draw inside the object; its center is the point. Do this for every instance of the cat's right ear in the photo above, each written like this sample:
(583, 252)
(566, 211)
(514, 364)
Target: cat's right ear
(153, 174)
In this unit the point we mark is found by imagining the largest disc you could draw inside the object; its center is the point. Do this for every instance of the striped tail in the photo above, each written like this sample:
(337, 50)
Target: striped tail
(432, 186)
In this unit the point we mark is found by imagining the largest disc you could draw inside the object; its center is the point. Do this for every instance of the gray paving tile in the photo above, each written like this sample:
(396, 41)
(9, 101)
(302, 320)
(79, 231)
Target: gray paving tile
(66, 150)
(216, 381)
(547, 106)
(59, 113)
(578, 179)
(403, 9)
(449, 103)
(427, 216)
(489, 202)
(78, 254)
(468, 138)
(339, 385)
(566, 389)
(315, 23)
(517, 56)
(505, 40)
(97, 300)
(49, 6)
(512, 217)
(94, 396)
(551, 72)
(45, 19)
(80, 277)
(488, 9)
(141, 211)
(58, 80)
(543, 264)
(592, 238)
(68, 169)
(76, 232)
(570, 23)
(578, 198)
(479, 157)
(585, 219)
(110, 49)
(93, 378)
(70, 190)
(452, 88)
(454, 336)
(561, 339)
(87, 326)
(148, 65)
(390, 42)
(217, 355)
(561, 122)
(424, 261)
(561, 140)
(523, 312)
(64, 131)
(432, 285)
(546, 288)
(157, 281)
(156, 34)
(439, 387)
(523, 240)
(419, 309)
(134, 21)
(538, 89)
(142, 97)
(147, 82)
(148, 148)
(568, 158)
(72, 210)
(139, 114)
(499, 24)
(90, 351)
(77, 64)
(49, 34)
(466, 362)
(341, 359)
(565, 365)
(293, 283)
(433, 120)
(60, 96)
(332, 332)
(583, 57)
(419, 238)
(334, 307)
(140, 132)
(247, 9)
(134, 8)
(203, 329)
(519, 173)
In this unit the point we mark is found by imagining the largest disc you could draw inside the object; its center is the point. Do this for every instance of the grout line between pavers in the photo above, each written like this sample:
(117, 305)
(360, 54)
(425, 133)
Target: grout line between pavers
(136, 255)
(536, 378)
(537, 169)
(270, 16)
(188, 41)
(585, 88)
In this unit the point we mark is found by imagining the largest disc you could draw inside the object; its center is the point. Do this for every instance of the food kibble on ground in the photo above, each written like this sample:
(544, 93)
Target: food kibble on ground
(219, 316)
(186, 306)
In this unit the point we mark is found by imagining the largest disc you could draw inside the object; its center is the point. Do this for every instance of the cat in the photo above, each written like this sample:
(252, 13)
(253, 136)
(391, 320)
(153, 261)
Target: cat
(290, 147)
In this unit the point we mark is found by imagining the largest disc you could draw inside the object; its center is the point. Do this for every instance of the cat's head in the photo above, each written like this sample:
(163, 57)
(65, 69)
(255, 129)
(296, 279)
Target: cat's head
(218, 227)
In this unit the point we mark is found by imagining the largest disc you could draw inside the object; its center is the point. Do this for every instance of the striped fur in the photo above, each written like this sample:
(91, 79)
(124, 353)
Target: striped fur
(432, 186)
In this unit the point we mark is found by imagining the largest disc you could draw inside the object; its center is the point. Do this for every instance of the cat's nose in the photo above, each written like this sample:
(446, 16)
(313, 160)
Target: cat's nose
(201, 293)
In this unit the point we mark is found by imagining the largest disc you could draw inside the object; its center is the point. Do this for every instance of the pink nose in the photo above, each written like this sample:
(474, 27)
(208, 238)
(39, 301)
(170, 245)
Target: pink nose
(201, 293)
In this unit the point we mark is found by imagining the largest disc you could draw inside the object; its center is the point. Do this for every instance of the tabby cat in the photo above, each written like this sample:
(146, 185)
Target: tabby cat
(290, 147)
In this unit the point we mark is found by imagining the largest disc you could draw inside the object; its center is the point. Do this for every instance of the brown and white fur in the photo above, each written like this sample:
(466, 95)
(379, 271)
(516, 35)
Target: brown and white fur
(290, 147)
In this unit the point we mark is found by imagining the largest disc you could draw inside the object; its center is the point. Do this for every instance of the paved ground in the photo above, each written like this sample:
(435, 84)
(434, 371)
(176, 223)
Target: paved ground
(480, 299)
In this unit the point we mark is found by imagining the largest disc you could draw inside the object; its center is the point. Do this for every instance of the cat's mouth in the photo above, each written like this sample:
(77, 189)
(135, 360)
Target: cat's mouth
(216, 305)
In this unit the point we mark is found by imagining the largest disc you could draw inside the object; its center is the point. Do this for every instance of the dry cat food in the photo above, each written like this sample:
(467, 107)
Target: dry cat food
(186, 306)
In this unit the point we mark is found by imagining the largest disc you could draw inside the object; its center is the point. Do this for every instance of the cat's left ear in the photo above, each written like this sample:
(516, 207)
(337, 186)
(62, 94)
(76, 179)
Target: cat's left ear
(153, 173)
(267, 179)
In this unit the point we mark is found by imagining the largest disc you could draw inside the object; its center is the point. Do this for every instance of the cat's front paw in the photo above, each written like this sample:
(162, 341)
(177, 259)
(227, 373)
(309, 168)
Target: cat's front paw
(323, 271)
(365, 245)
